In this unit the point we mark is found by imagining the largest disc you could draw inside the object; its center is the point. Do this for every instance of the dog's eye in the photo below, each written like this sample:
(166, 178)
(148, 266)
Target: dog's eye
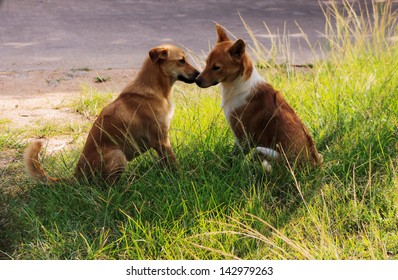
(216, 68)
(182, 61)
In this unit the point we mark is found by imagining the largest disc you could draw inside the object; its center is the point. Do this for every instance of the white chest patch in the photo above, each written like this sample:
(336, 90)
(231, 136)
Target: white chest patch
(236, 95)
(170, 113)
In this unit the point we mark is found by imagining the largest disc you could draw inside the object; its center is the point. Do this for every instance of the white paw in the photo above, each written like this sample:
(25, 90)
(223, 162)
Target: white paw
(320, 158)
(267, 167)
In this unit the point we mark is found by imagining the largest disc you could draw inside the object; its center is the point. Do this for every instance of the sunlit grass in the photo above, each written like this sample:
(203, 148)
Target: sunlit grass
(217, 208)
(91, 101)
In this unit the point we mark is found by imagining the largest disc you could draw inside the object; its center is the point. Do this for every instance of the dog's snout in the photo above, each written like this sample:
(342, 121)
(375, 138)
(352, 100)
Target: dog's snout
(189, 78)
(203, 83)
(196, 74)
(198, 82)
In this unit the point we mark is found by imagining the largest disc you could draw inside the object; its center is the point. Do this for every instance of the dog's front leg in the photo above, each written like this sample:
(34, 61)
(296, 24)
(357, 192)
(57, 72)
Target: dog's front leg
(167, 157)
(166, 154)
(240, 148)
(238, 152)
(159, 140)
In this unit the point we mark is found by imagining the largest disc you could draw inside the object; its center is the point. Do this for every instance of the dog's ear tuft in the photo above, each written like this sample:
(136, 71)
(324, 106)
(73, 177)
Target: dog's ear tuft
(222, 36)
(238, 49)
(158, 53)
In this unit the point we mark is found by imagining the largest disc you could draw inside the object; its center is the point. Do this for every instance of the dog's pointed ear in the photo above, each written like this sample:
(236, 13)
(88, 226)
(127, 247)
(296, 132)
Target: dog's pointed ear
(158, 53)
(222, 36)
(238, 49)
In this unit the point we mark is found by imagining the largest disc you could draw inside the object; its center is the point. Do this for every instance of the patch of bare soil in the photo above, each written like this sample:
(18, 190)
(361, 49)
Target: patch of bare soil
(32, 98)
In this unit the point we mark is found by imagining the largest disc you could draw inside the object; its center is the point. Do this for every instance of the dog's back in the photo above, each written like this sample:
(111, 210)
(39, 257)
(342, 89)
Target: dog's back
(267, 120)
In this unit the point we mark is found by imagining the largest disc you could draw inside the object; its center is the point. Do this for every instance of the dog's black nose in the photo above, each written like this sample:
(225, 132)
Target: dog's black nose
(198, 82)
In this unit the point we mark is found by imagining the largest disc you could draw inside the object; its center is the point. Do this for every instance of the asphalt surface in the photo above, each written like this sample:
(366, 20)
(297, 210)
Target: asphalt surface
(102, 34)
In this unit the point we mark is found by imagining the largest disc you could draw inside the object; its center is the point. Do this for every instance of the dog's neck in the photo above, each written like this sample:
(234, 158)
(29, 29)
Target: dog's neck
(151, 80)
(236, 92)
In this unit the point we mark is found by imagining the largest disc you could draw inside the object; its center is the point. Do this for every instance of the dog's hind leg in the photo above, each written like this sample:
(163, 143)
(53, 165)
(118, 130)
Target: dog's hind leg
(115, 163)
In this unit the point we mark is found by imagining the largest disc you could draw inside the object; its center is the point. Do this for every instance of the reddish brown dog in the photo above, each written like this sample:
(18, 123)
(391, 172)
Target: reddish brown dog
(137, 120)
(258, 115)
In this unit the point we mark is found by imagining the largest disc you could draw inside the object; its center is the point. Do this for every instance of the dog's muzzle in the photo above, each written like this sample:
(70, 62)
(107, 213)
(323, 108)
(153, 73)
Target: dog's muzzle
(190, 79)
(201, 84)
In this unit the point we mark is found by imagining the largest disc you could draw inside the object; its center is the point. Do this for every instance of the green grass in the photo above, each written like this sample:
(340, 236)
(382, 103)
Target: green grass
(91, 101)
(215, 208)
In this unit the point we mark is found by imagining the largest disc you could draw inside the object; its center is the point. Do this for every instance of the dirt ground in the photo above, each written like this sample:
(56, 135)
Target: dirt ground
(31, 97)
(26, 96)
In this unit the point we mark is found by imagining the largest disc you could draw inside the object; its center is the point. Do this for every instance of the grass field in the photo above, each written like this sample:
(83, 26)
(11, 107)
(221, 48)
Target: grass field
(217, 208)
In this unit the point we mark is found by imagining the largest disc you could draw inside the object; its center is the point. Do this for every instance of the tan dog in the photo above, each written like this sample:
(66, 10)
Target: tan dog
(137, 120)
(258, 115)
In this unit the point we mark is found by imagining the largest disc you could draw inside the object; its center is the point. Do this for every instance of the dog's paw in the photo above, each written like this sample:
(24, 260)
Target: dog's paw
(320, 156)
(267, 167)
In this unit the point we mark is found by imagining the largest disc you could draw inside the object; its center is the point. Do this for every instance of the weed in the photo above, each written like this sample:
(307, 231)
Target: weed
(91, 101)
(100, 79)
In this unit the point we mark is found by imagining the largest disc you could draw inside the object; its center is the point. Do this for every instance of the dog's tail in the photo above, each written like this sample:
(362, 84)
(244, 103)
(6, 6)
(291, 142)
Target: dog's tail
(32, 164)
(268, 153)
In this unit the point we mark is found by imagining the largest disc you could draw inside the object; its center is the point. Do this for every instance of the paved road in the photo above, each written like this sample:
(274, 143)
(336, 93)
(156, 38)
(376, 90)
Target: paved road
(101, 34)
